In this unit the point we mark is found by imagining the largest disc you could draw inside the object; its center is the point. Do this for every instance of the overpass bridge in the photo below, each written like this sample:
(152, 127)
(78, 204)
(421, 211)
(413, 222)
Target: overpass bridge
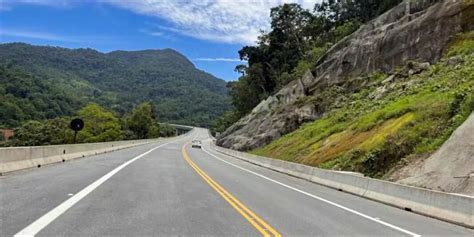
(179, 129)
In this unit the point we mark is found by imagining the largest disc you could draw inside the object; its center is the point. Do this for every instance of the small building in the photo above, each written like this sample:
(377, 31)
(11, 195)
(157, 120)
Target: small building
(6, 133)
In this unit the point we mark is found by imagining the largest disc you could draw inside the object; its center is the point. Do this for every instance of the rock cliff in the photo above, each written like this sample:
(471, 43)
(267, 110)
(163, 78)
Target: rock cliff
(450, 169)
(413, 30)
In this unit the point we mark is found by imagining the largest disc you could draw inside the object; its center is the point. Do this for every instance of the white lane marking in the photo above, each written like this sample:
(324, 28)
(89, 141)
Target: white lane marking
(70, 194)
(318, 198)
(49, 217)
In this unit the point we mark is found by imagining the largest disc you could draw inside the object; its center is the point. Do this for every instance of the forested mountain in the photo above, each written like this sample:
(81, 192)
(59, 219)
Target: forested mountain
(39, 82)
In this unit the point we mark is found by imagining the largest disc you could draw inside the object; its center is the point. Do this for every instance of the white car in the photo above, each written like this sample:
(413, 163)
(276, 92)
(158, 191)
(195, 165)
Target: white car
(196, 144)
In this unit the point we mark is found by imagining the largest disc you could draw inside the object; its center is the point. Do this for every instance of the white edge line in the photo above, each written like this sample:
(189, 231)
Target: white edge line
(46, 219)
(318, 198)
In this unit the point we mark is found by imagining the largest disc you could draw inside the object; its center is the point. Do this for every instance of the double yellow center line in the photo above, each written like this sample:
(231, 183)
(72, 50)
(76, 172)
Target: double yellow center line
(259, 224)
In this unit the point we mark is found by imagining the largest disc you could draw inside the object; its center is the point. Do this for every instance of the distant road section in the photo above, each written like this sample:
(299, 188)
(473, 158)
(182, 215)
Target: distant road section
(168, 188)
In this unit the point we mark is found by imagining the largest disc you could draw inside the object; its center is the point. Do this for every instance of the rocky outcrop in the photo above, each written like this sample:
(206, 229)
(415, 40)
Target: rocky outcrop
(278, 114)
(450, 169)
(413, 30)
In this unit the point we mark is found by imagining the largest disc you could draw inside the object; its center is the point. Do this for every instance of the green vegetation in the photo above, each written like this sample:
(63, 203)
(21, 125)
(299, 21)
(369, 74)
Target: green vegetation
(25, 97)
(295, 42)
(141, 122)
(35, 133)
(374, 128)
(225, 121)
(38, 83)
(101, 125)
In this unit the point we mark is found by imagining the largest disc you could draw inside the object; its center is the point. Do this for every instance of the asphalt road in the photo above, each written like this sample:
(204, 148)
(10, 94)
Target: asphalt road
(168, 188)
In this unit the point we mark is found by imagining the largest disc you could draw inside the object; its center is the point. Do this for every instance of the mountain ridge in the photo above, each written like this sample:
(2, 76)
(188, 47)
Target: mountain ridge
(121, 79)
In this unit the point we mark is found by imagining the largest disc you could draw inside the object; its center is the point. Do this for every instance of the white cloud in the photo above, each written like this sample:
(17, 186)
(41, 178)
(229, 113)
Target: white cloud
(161, 34)
(52, 3)
(32, 35)
(152, 33)
(219, 59)
(231, 21)
(157, 33)
(42, 35)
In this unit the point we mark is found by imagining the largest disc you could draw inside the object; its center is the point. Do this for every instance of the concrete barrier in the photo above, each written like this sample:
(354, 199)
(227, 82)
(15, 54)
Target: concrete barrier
(449, 207)
(18, 158)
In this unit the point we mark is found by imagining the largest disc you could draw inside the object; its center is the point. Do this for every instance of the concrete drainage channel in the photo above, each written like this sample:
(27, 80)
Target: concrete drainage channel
(19, 158)
(457, 209)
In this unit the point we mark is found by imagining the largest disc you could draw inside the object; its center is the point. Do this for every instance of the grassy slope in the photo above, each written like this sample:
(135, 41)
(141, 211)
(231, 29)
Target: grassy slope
(414, 117)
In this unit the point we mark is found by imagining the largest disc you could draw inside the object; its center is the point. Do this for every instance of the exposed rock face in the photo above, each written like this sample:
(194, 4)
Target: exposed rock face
(274, 116)
(451, 168)
(413, 30)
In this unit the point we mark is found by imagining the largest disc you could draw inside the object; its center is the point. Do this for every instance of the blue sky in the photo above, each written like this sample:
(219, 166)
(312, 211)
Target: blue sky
(208, 32)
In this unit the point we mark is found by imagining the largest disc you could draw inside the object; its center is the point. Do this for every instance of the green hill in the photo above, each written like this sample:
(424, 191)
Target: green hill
(41, 82)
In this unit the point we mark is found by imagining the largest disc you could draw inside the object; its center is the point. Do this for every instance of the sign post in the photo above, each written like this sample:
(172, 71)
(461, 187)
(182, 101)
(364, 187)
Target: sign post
(77, 125)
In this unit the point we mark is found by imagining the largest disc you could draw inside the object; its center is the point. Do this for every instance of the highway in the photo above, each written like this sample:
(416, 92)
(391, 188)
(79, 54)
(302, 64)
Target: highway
(168, 188)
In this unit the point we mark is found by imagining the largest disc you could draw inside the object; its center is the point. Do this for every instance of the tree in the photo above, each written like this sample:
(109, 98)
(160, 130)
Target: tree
(276, 55)
(166, 130)
(287, 39)
(245, 95)
(339, 12)
(49, 132)
(141, 122)
(31, 133)
(100, 125)
(225, 121)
